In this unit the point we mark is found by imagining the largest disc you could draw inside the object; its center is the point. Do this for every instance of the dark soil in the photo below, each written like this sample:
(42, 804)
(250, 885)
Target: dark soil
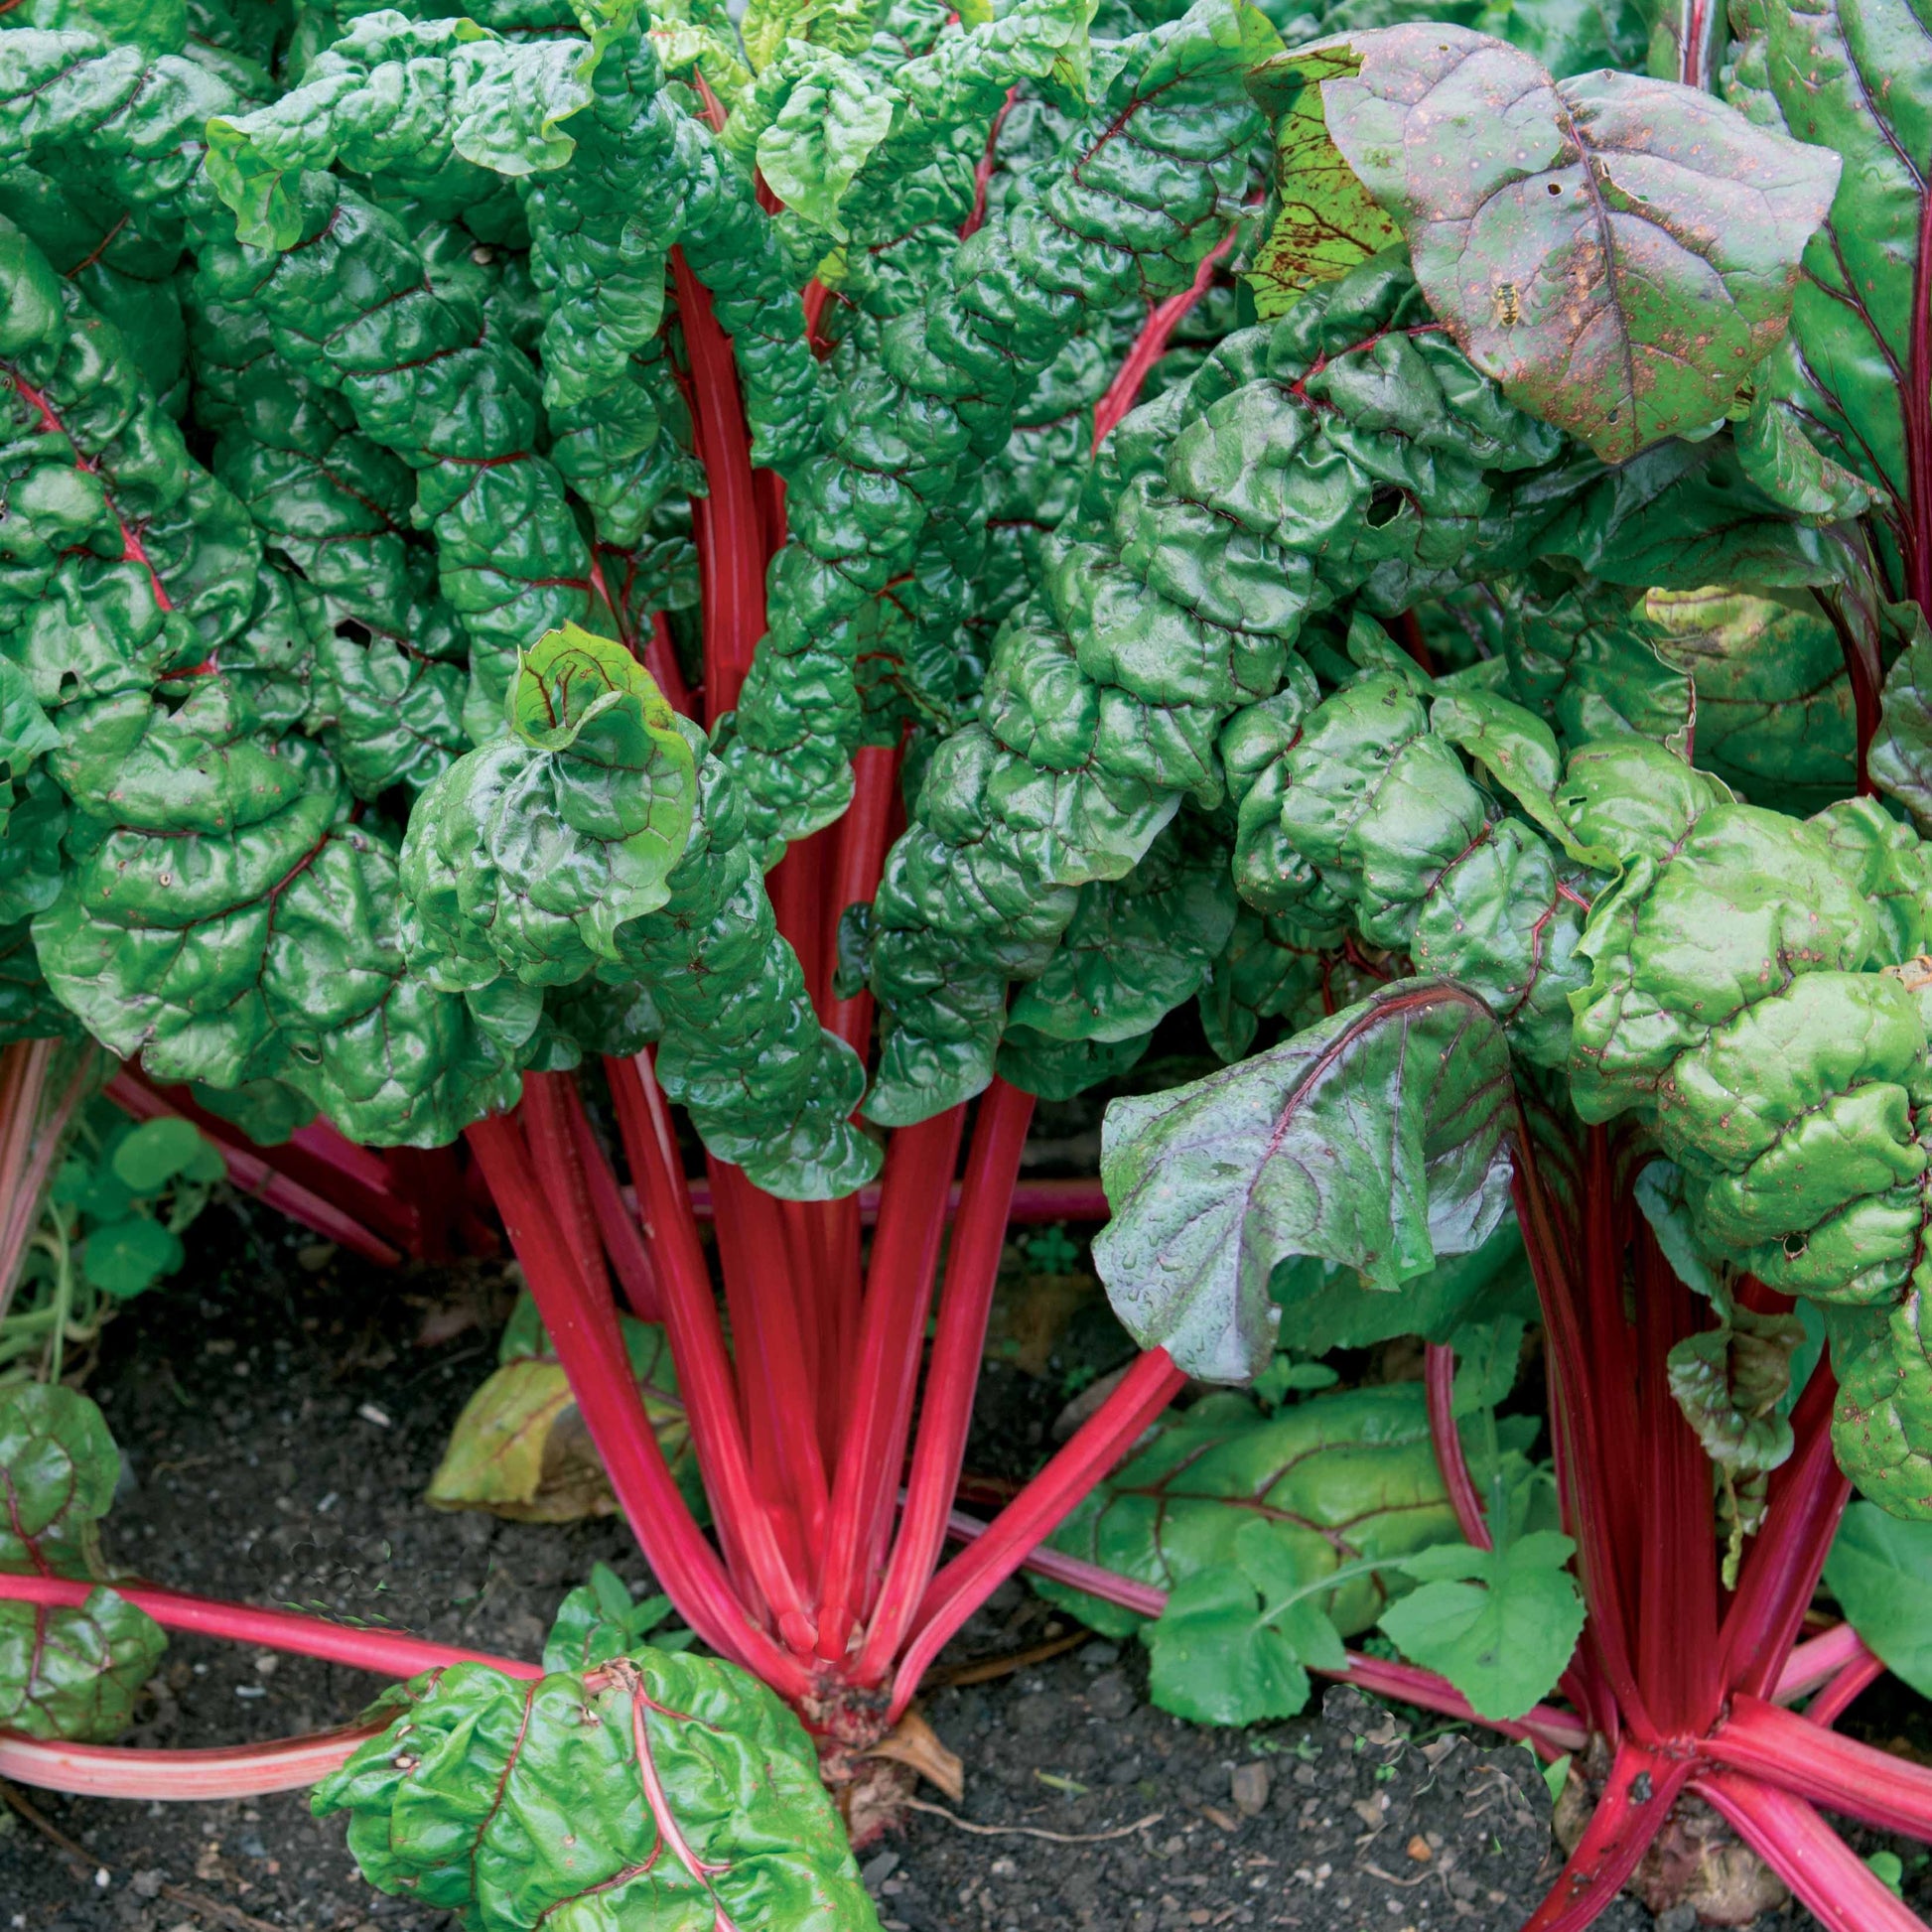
(279, 1427)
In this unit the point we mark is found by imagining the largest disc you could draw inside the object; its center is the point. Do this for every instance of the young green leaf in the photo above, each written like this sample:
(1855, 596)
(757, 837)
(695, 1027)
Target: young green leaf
(1499, 1624)
(124, 1257)
(1375, 1140)
(1235, 1644)
(157, 1151)
(599, 1622)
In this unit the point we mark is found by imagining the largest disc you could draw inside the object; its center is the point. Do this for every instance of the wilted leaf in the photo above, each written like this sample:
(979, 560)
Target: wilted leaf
(521, 1449)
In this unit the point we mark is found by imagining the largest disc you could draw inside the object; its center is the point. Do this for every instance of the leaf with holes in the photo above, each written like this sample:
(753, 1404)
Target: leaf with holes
(1618, 252)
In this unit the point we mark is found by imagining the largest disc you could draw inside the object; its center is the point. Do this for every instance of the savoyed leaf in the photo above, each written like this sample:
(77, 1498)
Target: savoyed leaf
(1375, 1140)
(1881, 1571)
(1618, 252)
(659, 1792)
(63, 1673)
(834, 115)
(1499, 1624)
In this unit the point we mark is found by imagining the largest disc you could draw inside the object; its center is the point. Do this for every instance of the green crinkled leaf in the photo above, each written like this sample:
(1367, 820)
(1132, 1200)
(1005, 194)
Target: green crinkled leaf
(1589, 659)
(75, 1674)
(599, 1622)
(1519, 752)
(392, 90)
(59, 1467)
(1785, 464)
(834, 115)
(1499, 1624)
(1375, 1140)
(1683, 221)
(534, 851)
(692, 1796)
(1774, 706)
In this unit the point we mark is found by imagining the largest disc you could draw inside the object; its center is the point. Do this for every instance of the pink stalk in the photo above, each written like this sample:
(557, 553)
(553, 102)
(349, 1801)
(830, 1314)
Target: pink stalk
(1777, 1745)
(972, 1269)
(706, 1378)
(583, 1328)
(1842, 1891)
(759, 1284)
(389, 1653)
(236, 1771)
(1636, 1799)
(1439, 1380)
(1575, 1427)
(1152, 342)
(1036, 1512)
(30, 1140)
(899, 1291)
(1814, 1664)
(549, 1134)
(863, 833)
(624, 1240)
(729, 531)
(1844, 1691)
(1677, 1629)
(661, 660)
(1554, 1732)
(1781, 1571)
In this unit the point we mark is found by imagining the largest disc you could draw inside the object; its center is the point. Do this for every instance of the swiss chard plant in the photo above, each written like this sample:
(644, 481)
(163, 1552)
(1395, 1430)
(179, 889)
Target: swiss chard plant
(606, 586)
